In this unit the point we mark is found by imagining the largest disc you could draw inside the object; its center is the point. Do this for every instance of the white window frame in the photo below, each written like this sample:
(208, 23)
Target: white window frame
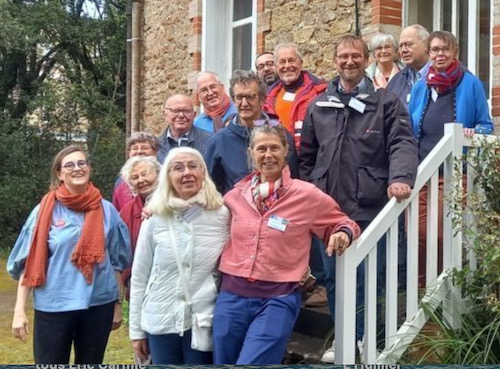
(217, 37)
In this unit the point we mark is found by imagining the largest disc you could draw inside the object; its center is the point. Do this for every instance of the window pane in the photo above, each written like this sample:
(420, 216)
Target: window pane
(421, 12)
(484, 44)
(242, 47)
(463, 21)
(447, 15)
(241, 9)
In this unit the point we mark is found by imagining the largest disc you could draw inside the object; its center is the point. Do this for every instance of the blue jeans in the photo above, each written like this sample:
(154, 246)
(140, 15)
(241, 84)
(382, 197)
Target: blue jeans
(175, 349)
(253, 331)
(329, 265)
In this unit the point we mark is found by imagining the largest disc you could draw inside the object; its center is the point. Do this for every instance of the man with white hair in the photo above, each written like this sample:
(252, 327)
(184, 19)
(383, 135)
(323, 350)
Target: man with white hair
(414, 54)
(218, 107)
(289, 98)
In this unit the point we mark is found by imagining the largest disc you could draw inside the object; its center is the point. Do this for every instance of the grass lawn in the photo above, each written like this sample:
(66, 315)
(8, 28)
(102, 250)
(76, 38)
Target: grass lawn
(13, 351)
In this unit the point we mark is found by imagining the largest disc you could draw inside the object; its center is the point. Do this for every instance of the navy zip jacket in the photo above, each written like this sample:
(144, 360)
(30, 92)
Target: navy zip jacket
(227, 160)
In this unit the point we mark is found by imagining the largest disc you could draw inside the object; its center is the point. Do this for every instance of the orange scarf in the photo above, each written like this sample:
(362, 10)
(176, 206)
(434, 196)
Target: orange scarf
(221, 110)
(90, 248)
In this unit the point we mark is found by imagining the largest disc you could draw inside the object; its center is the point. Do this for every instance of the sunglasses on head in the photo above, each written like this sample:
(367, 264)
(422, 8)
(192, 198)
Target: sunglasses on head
(269, 122)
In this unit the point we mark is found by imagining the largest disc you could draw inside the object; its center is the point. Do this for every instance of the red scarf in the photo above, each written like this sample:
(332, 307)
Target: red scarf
(90, 248)
(221, 110)
(444, 82)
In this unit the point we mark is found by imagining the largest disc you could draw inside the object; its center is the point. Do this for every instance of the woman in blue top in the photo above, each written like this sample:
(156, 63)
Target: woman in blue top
(450, 93)
(70, 252)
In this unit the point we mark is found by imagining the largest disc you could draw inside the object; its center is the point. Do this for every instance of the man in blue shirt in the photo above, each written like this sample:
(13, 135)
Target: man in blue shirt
(414, 54)
(218, 107)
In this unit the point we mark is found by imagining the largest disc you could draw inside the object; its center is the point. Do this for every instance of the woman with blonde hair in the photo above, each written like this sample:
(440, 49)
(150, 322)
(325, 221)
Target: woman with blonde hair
(173, 285)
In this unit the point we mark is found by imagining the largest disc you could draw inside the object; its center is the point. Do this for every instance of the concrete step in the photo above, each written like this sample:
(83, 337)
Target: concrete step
(314, 322)
(302, 349)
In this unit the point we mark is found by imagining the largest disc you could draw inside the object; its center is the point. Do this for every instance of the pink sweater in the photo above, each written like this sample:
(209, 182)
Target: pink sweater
(256, 250)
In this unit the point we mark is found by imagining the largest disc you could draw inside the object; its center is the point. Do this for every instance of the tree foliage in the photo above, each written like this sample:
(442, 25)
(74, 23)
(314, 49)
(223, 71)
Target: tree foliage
(62, 80)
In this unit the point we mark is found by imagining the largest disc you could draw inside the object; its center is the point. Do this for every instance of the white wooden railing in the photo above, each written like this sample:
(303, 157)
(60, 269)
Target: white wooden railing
(439, 290)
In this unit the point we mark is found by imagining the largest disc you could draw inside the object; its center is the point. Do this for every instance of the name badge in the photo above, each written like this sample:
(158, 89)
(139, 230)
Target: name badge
(357, 105)
(408, 97)
(434, 95)
(277, 223)
(288, 96)
(60, 223)
(299, 124)
(330, 104)
(190, 214)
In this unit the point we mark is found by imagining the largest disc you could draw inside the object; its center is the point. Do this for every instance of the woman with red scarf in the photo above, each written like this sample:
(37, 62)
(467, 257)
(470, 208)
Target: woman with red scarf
(70, 252)
(450, 93)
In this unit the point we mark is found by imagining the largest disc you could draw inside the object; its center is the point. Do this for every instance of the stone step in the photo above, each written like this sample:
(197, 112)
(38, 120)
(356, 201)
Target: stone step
(302, 349)
(314, 322)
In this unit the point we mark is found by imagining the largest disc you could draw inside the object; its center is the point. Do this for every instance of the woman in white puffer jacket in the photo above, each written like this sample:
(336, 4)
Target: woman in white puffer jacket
(161, 315)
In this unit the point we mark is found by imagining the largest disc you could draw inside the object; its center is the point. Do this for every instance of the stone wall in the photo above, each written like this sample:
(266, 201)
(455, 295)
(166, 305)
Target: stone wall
(313, 25)
(166, 61)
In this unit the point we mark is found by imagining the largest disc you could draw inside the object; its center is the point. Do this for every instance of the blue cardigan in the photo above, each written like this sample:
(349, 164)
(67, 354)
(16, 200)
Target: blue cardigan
(472, 107)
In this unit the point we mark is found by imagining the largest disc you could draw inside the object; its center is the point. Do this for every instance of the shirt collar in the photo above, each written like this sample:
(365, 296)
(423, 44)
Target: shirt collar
(184, 137)
(360, 87)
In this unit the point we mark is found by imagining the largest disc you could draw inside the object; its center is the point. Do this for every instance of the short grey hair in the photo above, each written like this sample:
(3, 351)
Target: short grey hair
(137, 137)
(244, 77)
(131, 163)
(382, 38)
(286, 45)
(201, 74)
(423, 33)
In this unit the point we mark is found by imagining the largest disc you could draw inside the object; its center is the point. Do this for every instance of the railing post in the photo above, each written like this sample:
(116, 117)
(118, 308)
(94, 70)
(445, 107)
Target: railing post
(452, 240)
(345, 307)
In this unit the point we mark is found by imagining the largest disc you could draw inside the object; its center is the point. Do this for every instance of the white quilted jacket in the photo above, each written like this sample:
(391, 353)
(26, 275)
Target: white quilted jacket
(157, 299)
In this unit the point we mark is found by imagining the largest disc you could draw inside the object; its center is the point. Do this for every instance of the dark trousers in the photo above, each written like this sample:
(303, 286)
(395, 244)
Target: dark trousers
(54, 333)
(174, 349)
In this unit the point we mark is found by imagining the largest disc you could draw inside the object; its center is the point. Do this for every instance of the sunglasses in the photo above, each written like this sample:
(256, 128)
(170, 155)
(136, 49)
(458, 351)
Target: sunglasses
(269, 122)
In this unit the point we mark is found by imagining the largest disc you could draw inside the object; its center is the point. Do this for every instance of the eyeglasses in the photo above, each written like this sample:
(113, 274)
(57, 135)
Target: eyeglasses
(268, 64)
(408, 45)
(345, 57)
(383, 47)
(146, 147)
(269, 122)
(205, 90)
(180, 168)
(185, 112)
(239, 98)
(71, 165)
(436, 50)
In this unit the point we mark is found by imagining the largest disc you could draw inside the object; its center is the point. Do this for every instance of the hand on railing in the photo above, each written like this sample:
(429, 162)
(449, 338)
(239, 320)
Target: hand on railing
(469, 132)
(400, 191)
(338, 242)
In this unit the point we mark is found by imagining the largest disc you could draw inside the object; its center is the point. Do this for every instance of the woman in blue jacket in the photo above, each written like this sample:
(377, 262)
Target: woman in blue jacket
(450, 93)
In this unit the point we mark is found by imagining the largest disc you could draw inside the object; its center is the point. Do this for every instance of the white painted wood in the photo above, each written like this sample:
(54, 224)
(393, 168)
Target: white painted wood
(454, 17)
(432, 229)
(412, 260)
(472, 36)
(391, 304)
(370, 338)
(345, 307)
(437, 11)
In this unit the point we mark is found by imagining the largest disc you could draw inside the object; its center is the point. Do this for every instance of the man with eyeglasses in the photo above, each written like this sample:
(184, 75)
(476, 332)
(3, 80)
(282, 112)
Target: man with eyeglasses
(179, 131)
(226, 154)
(289, 97)
(217, 106)
(266, 69)
(414, 54)
(357, 146)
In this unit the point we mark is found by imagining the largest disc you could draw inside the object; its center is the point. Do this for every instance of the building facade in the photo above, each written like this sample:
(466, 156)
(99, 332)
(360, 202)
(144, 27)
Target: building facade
(179, 38)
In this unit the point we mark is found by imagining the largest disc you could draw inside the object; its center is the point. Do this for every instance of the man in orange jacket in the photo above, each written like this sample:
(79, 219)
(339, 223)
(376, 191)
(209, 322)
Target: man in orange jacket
(289, 97)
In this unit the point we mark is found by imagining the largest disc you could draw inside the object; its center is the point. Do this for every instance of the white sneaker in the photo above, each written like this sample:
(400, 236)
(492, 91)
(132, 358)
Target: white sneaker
(361, 351)
(329, 355)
